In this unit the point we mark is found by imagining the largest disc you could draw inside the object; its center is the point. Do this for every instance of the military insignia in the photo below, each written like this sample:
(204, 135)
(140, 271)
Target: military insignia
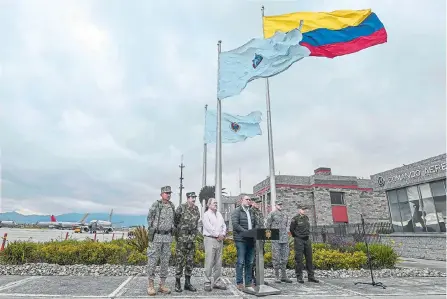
(257, 60)
(235, 126)
(268, 233)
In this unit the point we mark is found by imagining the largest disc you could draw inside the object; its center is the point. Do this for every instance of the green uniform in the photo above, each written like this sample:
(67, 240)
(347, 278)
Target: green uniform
(300, 230)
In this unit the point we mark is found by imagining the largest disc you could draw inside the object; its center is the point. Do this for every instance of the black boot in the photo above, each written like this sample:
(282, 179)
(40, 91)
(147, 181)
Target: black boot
(299, 278)
(178, 286)
(188, 285)
(312, 279)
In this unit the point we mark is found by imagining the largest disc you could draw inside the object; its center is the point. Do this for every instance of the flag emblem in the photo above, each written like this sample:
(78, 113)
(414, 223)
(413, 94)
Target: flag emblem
(257, 60)
(235, 126)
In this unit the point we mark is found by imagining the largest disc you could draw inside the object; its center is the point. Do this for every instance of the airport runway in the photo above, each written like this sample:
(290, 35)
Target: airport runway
(44, 235)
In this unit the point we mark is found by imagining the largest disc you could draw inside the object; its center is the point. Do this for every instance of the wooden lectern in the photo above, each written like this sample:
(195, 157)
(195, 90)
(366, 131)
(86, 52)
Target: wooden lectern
(259, 235)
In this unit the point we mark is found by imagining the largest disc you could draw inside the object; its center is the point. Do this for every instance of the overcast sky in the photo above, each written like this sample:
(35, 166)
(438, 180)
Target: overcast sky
(99, 99)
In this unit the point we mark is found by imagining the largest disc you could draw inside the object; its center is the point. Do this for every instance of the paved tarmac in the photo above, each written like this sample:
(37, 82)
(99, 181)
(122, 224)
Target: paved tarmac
(45, 235)
(135, 287)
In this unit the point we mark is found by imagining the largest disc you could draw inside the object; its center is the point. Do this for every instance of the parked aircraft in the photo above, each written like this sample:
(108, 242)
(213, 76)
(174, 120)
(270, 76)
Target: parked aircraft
(102, 225)
(8, 223)
(62, 224)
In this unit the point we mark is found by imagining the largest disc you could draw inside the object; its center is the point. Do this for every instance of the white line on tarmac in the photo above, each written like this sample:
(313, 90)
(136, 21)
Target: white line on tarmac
(48, 296)
(118, 289)
(18, 282)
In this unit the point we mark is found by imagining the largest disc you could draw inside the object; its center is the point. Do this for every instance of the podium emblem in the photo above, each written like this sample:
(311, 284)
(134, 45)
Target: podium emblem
(268, 233)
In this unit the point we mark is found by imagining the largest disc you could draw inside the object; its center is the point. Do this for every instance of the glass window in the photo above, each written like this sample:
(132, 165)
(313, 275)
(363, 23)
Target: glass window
(394, 210)
(415, 204)
(337, 198)
(428, 211)
(439, 198)
(405, 211)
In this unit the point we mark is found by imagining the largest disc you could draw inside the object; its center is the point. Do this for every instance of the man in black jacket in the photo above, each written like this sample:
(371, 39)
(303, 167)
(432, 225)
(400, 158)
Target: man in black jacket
(243, 219)
(300, 230)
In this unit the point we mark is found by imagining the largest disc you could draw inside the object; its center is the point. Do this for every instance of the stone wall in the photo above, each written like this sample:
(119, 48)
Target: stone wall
(292, 197)
(421, 246)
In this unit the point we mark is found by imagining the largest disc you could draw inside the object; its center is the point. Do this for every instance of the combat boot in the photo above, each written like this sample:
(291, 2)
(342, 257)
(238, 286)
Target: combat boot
(151, 289)
(162, 289)
(188, 285)
(178, 286)
(284, 277)
(277, 278)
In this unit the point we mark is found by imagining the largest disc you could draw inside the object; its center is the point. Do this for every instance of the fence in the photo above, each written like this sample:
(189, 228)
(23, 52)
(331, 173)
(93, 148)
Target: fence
(350, 233)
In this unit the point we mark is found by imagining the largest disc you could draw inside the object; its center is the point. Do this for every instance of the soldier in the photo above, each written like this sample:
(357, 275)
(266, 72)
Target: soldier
(255, 206)
(278, 219)
(300, 230)
(160, 223)
(187, 217)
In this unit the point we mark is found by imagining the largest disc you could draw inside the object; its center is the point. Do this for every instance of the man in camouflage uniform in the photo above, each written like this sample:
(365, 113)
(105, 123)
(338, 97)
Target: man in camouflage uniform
(278, 219)
(160, 223)
(187, 217)
(256, 207)
(300, 230)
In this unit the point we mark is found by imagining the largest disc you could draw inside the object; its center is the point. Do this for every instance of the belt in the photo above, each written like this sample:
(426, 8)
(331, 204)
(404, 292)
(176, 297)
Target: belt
(163, 232)
(211, 237)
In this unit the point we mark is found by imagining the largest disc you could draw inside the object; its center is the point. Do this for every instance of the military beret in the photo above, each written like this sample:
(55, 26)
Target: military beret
(191, 194)
(256, 199)
(302, 206)
(166, 189)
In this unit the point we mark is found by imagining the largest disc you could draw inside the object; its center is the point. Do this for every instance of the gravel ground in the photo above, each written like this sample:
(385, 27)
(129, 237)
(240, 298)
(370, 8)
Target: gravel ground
(120, 270)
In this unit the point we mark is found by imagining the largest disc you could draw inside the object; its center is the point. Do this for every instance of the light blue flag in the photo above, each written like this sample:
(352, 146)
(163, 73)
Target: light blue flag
(235, 128)
(259, 58)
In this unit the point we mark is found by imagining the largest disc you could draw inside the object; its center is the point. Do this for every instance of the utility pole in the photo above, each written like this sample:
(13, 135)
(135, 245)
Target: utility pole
(181, 180)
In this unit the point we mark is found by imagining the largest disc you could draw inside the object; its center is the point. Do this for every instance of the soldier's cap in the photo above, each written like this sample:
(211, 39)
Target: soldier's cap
(166, 189)
(256, 199)
(303, 207)
(191, 194)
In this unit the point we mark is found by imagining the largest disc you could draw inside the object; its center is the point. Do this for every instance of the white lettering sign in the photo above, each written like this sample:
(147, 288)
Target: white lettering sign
(417, 173)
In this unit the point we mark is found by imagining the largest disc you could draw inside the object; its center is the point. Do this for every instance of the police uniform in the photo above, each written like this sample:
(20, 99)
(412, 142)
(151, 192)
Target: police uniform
(259, 218)
(278, 219)
(186, 222)
(160, 221)
(300, 230)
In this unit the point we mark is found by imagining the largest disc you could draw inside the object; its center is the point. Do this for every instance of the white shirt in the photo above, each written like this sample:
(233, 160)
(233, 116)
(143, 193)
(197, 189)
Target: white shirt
(247, 211)
(213, 224)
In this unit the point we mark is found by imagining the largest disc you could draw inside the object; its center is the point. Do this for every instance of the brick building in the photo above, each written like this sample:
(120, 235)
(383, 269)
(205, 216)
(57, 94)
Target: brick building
(331, 198)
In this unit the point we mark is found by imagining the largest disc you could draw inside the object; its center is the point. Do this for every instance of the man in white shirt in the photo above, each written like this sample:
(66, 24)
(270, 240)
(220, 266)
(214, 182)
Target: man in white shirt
(214, 231)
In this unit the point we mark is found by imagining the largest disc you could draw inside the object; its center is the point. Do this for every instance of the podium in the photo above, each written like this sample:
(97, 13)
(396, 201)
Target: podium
(259, 235)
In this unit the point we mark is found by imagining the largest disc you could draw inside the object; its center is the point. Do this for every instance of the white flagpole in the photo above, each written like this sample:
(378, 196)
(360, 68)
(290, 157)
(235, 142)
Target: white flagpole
(218, 169)
(270, 136)
(205, 149)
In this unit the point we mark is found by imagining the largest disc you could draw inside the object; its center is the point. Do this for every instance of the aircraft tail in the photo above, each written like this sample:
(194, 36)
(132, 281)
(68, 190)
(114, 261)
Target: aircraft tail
(53, 219)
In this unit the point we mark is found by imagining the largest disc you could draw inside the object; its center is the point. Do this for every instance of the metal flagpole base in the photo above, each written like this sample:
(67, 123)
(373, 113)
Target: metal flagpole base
(374, 284)
(262, 290)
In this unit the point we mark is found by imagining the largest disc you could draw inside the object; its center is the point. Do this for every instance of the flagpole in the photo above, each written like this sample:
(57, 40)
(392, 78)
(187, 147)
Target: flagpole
(270, 135)
(218, 168)
(240, 182)
(204, 156)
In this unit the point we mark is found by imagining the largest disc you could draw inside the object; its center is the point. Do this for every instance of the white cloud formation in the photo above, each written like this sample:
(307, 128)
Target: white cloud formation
(97, 105)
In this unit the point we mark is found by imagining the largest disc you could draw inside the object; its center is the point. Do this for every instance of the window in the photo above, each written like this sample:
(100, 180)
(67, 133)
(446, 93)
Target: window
(439, 198)
(394, 210)
(428, 211)
(415, 202)
(405, 211)
(337, 198)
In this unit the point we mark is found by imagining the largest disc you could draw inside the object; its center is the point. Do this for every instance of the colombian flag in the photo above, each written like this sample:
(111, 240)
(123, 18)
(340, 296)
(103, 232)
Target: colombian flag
(331, 34)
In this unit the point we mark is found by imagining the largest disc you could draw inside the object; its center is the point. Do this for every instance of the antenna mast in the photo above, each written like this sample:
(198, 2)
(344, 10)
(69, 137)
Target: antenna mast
(181, 180)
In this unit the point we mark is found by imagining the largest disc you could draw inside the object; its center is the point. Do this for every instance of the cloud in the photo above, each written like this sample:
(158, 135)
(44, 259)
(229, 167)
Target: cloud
(98, 105)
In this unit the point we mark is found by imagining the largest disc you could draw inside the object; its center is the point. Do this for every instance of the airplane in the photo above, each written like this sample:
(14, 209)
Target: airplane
(102, 225)
(8, 223)
(62, 224)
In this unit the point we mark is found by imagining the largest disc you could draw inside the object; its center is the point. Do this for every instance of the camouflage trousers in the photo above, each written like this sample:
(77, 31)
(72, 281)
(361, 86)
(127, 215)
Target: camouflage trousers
(184, 258)
(158, 251)
(280, 255)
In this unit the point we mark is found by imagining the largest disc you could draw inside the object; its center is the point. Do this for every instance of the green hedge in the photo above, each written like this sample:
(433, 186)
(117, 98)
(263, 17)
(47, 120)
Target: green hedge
(129, 252)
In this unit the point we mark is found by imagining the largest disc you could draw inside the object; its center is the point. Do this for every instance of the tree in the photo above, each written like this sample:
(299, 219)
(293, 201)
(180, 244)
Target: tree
(208, 192)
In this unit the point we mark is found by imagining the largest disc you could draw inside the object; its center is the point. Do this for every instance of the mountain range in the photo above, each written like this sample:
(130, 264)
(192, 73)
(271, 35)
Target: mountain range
(117, 219)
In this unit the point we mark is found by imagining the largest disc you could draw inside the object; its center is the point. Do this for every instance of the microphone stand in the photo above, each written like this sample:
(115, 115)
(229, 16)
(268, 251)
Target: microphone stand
(373, 283)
